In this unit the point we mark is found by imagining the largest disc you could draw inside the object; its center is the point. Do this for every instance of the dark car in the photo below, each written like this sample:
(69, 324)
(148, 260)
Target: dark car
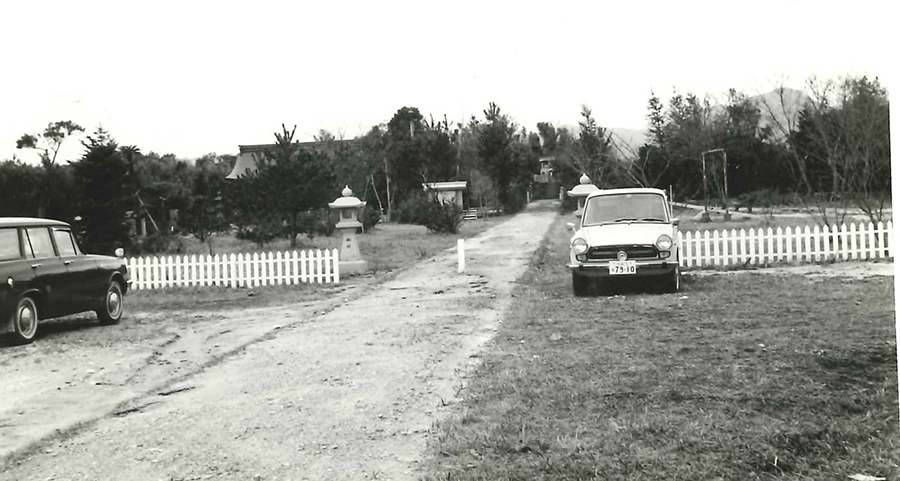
(43, 274)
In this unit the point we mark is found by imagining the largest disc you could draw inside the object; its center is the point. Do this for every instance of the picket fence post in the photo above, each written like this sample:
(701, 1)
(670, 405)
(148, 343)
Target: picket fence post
(337, 265)
(890, 239)
(319, 273)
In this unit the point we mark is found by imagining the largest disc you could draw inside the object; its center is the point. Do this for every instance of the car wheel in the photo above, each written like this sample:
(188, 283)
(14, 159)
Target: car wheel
(581, 285)
(673, 280)
(110, 311)
(25, 321)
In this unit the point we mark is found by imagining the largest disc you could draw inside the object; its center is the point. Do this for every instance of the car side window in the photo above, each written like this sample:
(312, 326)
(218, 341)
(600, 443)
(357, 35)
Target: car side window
(9, 245)
(65, 243)
(40, 243)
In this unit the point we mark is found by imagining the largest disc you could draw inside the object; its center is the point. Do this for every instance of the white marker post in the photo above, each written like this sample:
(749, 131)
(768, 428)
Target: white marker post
(461, 254)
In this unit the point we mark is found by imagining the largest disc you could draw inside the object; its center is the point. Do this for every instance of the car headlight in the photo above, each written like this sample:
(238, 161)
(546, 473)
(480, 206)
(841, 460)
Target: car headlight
(664, 242)
(579, 246)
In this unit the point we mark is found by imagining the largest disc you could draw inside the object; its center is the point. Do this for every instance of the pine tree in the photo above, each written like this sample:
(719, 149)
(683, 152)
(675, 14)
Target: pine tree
(101, 177)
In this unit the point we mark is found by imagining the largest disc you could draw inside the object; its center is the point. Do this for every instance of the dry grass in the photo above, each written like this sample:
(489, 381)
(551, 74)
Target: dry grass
(387, 247)
(733, 378)
(793, 220)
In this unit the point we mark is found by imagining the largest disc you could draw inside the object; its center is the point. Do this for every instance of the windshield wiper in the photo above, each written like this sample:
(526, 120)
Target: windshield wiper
(630, 219)
(653, 219)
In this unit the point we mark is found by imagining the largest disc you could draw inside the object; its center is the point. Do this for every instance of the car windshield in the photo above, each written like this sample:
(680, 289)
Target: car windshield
(634, 207)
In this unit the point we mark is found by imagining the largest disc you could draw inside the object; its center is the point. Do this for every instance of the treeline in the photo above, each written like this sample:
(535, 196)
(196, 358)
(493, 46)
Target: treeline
(285, 197)
(826, 147)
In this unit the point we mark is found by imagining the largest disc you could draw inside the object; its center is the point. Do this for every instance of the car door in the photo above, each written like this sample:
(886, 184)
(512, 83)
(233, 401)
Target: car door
(16, 274)
(49, 270)
(83, 279)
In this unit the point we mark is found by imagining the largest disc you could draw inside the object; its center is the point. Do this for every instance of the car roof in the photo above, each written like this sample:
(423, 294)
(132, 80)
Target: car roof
(30, 222)
(630, 190)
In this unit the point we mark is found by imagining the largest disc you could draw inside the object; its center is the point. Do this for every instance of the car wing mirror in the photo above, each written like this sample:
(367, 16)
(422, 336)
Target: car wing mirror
(675, 221)
(571, 225)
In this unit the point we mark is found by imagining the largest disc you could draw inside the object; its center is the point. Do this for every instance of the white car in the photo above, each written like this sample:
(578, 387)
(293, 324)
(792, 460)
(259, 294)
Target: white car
(625, 233)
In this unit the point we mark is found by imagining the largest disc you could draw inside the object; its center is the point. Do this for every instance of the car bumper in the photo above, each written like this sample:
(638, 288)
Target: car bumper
(644, 269)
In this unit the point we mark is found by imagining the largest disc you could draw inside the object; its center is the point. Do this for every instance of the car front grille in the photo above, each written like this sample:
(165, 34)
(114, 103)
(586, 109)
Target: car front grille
(609, 253)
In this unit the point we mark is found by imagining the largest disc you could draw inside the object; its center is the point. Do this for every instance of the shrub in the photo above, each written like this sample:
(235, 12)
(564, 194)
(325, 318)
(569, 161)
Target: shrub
(319, 222)
(369, 217)
(442, 217)
(515, 199)
(411, 209)
(158, 243)
(436, 216)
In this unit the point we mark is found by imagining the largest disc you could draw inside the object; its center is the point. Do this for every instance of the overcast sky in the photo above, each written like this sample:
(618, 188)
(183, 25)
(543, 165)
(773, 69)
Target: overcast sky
(195, 77)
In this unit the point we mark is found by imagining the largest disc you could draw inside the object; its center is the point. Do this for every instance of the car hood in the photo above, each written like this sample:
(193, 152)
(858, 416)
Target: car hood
(624, 233)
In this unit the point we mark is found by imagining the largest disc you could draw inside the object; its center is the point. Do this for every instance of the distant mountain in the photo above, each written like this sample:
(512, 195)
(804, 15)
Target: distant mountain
(628, 139)
(780, 109)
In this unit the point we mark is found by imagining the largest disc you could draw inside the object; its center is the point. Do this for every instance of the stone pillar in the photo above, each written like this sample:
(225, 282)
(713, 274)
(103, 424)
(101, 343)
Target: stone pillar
(348, 208)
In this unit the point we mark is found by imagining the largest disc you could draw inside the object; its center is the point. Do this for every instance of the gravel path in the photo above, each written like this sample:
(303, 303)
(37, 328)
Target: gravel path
(351, 394)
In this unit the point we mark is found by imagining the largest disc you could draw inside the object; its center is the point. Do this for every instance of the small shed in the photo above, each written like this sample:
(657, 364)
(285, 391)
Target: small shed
(447, 192)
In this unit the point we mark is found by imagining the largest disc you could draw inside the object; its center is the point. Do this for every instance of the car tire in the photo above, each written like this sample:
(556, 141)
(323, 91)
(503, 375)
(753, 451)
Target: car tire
(112, 305)
(25, 321)
(581, 285)
(673, 280)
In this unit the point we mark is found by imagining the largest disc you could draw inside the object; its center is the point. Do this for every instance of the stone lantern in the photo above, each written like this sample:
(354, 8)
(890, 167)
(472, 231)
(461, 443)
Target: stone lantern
(348, 208)
(581, 191)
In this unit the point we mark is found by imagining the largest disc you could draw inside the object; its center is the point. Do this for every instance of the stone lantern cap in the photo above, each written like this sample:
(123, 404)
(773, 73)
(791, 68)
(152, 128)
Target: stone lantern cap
(583, 189)
(347, 200)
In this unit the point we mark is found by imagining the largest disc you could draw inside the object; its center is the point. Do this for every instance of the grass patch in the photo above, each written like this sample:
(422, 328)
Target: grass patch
(739, 380)
(387, 247)
(787, 219)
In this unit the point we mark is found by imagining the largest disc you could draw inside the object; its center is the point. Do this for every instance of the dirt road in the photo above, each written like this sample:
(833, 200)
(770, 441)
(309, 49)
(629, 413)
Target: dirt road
(349, 394)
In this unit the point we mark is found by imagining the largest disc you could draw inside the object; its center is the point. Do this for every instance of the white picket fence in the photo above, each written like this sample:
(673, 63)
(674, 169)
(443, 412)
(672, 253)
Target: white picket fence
(235, 270)
(767, 246)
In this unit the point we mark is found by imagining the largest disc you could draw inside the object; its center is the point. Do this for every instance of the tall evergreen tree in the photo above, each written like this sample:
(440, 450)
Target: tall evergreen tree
(101, 177)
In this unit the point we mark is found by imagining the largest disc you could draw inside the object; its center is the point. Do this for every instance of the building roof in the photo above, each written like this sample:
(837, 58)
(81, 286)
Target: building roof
(259, 148)
(245, 161)
(453, 185)
(29, 222)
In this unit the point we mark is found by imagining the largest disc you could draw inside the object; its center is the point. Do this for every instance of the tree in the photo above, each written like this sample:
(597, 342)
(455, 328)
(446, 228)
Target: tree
(289, 185)
(495, 138)
(204, 216)
(845, 132)
(549, 138)
(19, 188)
(838, 145)
(100, 175)
(403, 157)
(49, 142)
(592, 153)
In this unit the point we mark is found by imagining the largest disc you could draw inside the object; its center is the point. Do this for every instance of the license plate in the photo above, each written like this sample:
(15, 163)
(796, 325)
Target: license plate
(618, 268)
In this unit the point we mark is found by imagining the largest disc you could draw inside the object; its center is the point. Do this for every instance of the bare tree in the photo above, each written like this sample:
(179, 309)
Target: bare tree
(49, 142)
(838, 141)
